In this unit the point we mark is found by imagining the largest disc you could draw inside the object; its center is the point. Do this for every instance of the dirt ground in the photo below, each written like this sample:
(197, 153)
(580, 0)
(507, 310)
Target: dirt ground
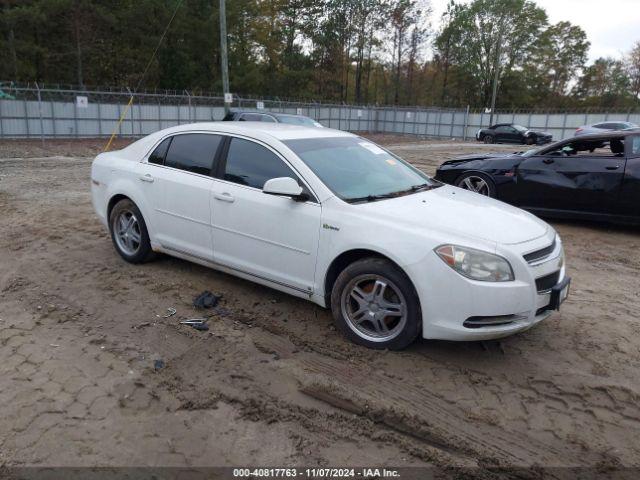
(273, 383)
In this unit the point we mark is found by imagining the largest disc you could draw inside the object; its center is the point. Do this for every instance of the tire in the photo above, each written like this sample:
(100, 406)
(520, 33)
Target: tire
(132, 243)
(488, 139)
(530, 140)
(371, 301)
(482, 183)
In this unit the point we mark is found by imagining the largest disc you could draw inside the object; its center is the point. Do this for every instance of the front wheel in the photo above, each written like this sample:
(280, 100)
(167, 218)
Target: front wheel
(488, 139)
(374, 304)
(477, 182)
(129, 232)
(530, 140)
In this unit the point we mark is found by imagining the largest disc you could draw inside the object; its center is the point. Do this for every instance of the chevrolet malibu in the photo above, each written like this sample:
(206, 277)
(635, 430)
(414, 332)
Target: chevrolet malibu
(333, 218)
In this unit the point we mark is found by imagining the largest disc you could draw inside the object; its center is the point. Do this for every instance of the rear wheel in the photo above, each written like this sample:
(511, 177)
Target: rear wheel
(129, 232)
(488, 139)
(477, 182)
(374, 304)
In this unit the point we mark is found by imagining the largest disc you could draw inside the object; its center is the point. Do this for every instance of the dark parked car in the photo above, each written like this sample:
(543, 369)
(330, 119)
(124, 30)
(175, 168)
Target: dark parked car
(591, 176)
(510, 133)
(270, 117)
(600, 127)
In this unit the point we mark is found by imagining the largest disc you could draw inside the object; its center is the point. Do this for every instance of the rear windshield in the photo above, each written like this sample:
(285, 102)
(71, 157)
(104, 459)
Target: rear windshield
(296, 120)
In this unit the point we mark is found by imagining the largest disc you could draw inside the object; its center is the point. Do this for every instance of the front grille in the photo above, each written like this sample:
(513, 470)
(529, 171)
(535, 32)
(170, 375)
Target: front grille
(540, 254)
(546, 283)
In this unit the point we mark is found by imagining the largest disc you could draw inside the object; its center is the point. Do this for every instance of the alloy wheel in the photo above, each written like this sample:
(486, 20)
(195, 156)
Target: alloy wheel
(374, 307)
(476, 184)
(127, 234)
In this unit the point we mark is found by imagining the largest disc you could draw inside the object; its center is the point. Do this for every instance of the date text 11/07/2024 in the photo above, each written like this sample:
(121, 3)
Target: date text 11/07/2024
(315, 473)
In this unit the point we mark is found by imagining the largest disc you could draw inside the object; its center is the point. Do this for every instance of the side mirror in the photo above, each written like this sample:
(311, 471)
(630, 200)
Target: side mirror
(284, 187)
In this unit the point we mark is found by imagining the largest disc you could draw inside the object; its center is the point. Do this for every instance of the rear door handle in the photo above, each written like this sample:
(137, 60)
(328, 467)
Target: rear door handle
(147, 178)
(548, 161)
(612, 167)
(225, 197)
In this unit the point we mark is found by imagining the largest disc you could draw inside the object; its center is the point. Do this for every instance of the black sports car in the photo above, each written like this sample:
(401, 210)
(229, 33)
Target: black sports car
(592, 176)
(510, 133)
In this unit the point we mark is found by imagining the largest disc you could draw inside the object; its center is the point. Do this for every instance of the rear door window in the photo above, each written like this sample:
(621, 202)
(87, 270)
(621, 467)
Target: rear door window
(193, 152)
(158, 155)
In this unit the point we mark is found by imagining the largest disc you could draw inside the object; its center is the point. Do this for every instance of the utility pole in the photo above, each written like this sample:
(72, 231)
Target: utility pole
(496, 74)
(223, 55)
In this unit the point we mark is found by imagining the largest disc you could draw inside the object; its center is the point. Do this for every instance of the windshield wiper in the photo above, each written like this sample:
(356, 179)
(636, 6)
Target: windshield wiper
(399, 193)
(422, 186)
(372, 198)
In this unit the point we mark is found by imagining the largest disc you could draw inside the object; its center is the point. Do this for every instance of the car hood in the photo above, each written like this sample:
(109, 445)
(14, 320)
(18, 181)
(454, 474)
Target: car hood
(460, 212)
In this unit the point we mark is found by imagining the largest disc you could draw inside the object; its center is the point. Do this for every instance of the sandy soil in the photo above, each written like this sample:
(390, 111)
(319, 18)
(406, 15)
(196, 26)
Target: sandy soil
(272, 382)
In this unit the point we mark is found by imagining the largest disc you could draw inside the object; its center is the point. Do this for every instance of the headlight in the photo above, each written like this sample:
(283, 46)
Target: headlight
(476, 264)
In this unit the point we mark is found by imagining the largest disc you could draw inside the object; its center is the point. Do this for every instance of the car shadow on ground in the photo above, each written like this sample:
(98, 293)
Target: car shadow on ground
(596, 226)
(253, 301)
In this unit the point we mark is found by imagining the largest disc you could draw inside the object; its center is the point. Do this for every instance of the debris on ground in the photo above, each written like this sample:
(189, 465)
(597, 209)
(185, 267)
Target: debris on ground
(158, 364)
(170, 312)
(206, 300)
(197, 323)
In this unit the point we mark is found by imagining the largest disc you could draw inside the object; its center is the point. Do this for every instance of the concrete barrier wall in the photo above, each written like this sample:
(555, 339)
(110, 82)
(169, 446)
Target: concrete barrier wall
(26, 118)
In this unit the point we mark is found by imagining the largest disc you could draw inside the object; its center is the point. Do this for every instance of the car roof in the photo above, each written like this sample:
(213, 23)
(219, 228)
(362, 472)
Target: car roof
(277, 114)
(616, 134)
(262, 112)
(233, 110)
(279, 131)
(606, 135)
(256, 130)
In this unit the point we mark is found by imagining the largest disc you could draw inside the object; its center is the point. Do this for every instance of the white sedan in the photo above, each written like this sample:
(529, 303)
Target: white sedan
(331, 217)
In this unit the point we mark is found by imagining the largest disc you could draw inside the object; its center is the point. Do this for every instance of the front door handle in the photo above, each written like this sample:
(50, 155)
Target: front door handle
(548, 161)
(612, 167)
(225, 197)
(147, 178)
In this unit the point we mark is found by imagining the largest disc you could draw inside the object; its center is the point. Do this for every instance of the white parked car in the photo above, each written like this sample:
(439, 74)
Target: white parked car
(331, 217)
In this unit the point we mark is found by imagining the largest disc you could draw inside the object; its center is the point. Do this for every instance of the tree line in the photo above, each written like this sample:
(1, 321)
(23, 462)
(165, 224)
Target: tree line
(355, 51)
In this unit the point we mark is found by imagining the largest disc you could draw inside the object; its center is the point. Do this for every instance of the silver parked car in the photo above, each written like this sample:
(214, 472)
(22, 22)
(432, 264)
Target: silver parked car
(604, 126)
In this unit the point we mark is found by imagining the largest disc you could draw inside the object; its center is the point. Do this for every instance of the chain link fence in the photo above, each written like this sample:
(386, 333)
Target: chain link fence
(33, 111)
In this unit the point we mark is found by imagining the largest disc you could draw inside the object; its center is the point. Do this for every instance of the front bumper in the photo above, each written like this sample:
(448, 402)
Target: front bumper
(457, 308)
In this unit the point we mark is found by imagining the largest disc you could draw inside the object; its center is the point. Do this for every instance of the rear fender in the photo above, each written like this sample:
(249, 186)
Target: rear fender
(130, 187)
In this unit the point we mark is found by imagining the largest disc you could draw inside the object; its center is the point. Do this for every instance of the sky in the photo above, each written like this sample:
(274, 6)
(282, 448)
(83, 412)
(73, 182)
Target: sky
(612, 26)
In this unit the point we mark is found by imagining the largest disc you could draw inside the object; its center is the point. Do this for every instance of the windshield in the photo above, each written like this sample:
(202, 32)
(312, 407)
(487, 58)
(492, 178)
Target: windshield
(356, 169)
(520, 128)
(294, 120)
